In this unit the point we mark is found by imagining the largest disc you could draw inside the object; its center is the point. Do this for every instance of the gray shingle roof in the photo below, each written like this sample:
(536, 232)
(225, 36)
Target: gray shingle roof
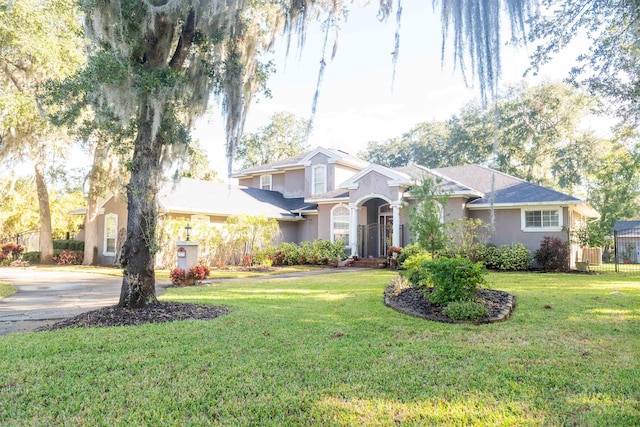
(296, 161)
(418, 173)
(630, 227)
(508, 189)
(206, 197)
(333, 194)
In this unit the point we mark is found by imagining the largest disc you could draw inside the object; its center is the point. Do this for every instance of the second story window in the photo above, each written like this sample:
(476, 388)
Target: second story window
(319, 179)
(265, 182)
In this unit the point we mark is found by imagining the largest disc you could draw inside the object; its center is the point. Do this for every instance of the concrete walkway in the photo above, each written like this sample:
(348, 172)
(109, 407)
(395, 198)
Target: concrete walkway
(46, 297)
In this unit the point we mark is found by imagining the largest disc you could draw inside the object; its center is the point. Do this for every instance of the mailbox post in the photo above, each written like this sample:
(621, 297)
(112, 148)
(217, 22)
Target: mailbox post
(187, 254)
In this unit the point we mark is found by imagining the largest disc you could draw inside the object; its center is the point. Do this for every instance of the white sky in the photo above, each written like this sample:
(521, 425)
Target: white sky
(357, 104)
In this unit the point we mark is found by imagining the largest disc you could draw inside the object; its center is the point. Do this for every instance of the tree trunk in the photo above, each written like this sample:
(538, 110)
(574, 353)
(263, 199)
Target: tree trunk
(46, 240)
(96, 186)
(138, 251)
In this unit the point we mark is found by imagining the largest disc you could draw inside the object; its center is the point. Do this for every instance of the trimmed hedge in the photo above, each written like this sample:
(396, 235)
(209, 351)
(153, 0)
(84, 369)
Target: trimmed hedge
(70, 245)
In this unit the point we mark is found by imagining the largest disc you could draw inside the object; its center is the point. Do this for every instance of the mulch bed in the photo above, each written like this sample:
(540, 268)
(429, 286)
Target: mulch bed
(412, 301)
(153, 313)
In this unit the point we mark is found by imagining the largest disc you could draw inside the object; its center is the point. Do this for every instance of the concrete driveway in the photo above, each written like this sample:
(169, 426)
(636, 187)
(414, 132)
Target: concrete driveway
(45, 297)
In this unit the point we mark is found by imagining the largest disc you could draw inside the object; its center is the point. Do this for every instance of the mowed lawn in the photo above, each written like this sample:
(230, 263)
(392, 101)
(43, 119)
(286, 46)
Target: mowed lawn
(324, 351)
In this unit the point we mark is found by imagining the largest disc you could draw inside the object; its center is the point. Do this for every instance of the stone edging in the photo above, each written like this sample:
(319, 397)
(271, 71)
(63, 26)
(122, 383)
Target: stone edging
(503, 315)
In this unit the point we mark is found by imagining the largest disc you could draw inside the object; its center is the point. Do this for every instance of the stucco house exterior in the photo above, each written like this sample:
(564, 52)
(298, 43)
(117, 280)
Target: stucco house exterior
(328, 194)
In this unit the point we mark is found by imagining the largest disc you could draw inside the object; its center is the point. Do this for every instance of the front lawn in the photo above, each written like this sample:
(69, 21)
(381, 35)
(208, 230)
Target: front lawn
(6, 290)
(324, 350)
(163, 275)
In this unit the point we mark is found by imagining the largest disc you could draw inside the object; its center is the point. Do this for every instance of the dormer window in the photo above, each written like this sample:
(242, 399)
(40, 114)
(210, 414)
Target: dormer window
(265, 182)
(319, 179)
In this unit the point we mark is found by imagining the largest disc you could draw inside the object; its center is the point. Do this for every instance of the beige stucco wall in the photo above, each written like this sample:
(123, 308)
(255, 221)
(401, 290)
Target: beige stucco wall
(288, 232)
(308, 229)
(324, 220)
(318, 159)
(277, 182)
(374, 184)
(294, 183)
(343, 173)
(509, 228)
(119, 207)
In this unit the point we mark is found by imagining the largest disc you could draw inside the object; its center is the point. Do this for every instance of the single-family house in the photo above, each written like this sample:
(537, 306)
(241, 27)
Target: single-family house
(329, 194)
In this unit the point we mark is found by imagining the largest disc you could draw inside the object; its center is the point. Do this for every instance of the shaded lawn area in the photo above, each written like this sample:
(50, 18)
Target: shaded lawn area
(324, 350)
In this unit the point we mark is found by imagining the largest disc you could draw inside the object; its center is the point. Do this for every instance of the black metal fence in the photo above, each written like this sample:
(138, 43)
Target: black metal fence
(623, 256)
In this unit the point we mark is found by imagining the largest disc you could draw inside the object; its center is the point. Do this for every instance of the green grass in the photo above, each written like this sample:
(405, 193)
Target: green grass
(6, 290)
(163, 275)
(324, 350)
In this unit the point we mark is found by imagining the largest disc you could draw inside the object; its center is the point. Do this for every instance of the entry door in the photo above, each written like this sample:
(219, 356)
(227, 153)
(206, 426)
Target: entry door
(386, 233)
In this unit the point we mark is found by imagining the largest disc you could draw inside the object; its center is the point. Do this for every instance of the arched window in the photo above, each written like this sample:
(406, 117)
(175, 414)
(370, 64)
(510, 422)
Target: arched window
(340, 224)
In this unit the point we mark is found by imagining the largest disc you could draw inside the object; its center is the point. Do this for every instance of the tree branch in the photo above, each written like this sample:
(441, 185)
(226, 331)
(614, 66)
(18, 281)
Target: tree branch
(185, 42)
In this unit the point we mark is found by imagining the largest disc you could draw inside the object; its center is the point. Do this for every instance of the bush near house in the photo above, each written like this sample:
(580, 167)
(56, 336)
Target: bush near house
(553, 254)
(67, 257)
(10, 252)
(318, 252)
(513, 257)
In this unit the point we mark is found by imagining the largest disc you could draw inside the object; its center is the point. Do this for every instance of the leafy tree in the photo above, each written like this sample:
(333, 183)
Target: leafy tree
(157, 62)
(614, 190)
(19, 209)
(610, 66)
(38, 41)
(284, 137)
(426, 218)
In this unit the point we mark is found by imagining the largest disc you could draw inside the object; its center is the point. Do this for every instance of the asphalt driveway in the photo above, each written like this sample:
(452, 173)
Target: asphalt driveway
(45, 297)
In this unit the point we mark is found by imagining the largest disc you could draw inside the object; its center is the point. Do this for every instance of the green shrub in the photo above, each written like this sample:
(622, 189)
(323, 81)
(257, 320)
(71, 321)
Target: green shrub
(415, 269)
(553, 254)
(514, 257)
(454, 279)
(291, 253)
(31, 257)
(409, 251)
(465, 310)
(71, 245)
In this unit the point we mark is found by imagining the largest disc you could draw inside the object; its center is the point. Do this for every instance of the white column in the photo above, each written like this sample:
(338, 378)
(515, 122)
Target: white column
(353, 230)
(395, 240)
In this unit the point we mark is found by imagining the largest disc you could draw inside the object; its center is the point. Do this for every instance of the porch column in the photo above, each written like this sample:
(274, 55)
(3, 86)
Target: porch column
(353, 229)
(395, 240)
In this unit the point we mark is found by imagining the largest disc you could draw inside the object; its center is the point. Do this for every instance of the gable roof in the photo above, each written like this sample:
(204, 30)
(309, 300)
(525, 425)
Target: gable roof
(507, 189)
(192, 196)
(395, 177)
(447, 184)
(301, 160)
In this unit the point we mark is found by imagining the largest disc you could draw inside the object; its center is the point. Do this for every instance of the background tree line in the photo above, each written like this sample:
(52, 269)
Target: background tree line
(538, 134)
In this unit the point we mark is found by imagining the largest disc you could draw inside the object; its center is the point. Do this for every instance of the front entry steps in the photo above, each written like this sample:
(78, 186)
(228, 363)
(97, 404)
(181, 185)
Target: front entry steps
(368, 262)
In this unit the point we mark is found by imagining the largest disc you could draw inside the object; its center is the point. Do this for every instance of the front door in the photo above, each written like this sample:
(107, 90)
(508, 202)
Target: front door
(386, 233)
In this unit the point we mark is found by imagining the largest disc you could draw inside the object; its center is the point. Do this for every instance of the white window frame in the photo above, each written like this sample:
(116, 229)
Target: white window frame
(542, 210)
(107, 217)
(266, 181)
(313, 179)
(348, 222)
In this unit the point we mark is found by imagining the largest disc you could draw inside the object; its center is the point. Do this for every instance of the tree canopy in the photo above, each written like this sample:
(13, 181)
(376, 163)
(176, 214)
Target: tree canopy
(284, 137)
